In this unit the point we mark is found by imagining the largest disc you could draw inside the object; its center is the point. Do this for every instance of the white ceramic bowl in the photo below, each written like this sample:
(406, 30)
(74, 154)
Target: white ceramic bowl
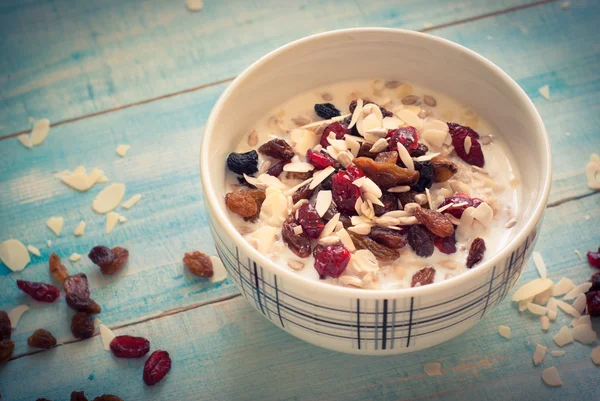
(371, 321)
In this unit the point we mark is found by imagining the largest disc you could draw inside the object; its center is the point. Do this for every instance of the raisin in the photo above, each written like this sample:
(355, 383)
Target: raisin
(243, 163)
(129, 346)
(294, 175)
(276, 169)
(423, 277)
(386, 175)
(407, 136)
(407, 197)
(108, 397)
(595, 280)
(327, 183)
(82, 325)
(460, 198)
(297, 243)
(421, 150)
(426, 176)
(6, 349)
(476, 252)
(338, 128)
(304, 192)
(458, 134)
(156, 367)
(78, 396)
(319, 159)
(277, 149)
(385, 112)
(78, 294)
(5, 328)
(57, 269)
(387, 237)
(435, 222)
(101, 255)
(326, 111)
(387, 157)
(41, 292)
(330, 212)
(365, 150)
(41, 339)
(390, 203)
(331, 260)
(245, 202)
(592, 300)
(420, 241)
(344, 193)
(446, 245)
(380, 251)
(199, 264)
(311, 222)
(594, 258)
(443, 169)
(121, 258)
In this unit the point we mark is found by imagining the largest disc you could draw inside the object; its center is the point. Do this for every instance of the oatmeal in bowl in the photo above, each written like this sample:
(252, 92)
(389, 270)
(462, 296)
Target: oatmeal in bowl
(373, 184)
(374, 191)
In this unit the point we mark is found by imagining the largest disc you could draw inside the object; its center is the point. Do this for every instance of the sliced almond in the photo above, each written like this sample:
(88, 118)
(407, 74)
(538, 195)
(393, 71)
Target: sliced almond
(537, 309)
(14, 315)
(539, 354)
(576, 291)
(568, 308)
(33, 250)
(433, 369)
(109, 198)
(129, 203)
(504, 331)
(40, 130)
(596, 355)
(219, 271)
(320, 176)
(531, 289)
(563, 337)
(330, 226)
(112, 218)
(539, 264)
(122, 149)
(563, 286)
(323, 202)
(80, 229)
(584, 334)
(551, 377)
(579, 303)
(55, 224)
(545, 323)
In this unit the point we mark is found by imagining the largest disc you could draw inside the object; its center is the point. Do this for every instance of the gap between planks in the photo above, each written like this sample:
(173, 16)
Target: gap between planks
(225, 80)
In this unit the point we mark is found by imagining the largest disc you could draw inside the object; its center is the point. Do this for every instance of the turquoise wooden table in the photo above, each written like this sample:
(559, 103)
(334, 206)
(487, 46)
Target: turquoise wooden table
(146, 73)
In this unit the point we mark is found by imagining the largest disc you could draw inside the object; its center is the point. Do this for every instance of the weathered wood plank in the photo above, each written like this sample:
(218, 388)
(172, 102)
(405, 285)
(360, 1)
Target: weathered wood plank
(64, 59)
(227, 351)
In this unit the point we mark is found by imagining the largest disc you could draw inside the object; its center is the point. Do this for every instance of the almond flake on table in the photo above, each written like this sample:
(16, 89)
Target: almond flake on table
(75, 257)
(558, 353)
(14, 254)
(112, 218)
(122, 219)
(33, 250)
(545, 323)
(585, 319)
(106, 335)
(584, 334)
(15, 315)
(531, 289)
(575, 292)
(122, 149)
(592, 172)
(38, 134)
(109, 198)
(539, 354)
(563, 337)
(568, 309)
(433, 369)
(551, 378)
(78, 179)
(129, 203)
(596, 355)
(49, 243)
(504, 331)
(545, 92)
(79, 230)
(579, 303)
(563, 286)
(219, 271)
(194, 5)
(539, 264)
(55, 224)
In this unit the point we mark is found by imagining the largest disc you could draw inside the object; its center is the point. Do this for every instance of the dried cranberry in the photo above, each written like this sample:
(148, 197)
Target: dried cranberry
(595, 280)
(82, 325)
(354, 172)
(459, 198)
(319, 159)
(476, 252)
(78, 294)
(331, 260)
(101, 255)
(594, 258)
(326, 111)
(390, 203)
(338, 128)
(297, 243)
(423, 277)
(593, 303)
(458, 134)
(41, 292)
(309, 219)
(420, 241)
(276, 169)
(129, 346)
(6, 349)
(426, 176)
(344, 193)
(304, 192)
(41, 339)
(446, 245)
(277, 149)
(243, 163)
(407, 136)
(5, 327)
(156, 367)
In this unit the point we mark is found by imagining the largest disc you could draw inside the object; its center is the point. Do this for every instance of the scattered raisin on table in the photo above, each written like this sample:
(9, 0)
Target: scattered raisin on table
(380, 251)
(331, 260)
(78, 294)
(6, 349)
(304, 192)
(129, 346)
(5, 329)
(476, 252)
(243, 163)
(458, 134)
(199, 264)
(311, 222)
(423, 277)
(326, 111)
(245, 202)
(57, 269)
(101, 255)
(41, 292)
(435, 222)
(156, 367)
(446, 245)
(108, 397)
(387, 237)
(82, 325)
(420, 241)
(78, 396)
(297, 243)
(594, 258)
(121, 258)
(277, 149)
(41, 339)
(386, 175)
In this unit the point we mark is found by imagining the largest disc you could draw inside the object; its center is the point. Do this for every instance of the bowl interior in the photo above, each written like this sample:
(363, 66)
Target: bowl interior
(386, 54)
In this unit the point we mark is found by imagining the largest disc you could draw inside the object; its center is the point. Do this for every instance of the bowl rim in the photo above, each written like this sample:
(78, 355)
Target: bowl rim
(304, 283)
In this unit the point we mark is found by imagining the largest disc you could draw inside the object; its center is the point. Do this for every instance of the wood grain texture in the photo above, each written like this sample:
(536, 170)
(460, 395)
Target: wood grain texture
(63, 59)
(227, 351)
